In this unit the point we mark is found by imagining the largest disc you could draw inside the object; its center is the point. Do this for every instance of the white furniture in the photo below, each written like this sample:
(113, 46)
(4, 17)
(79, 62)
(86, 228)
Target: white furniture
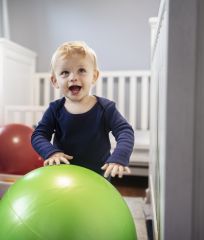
(177, 117)
(17, 68)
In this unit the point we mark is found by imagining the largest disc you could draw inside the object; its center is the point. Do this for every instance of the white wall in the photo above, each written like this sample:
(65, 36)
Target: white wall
(117, 30)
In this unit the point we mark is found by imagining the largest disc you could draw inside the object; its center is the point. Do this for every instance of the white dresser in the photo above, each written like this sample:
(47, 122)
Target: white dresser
(17, 68)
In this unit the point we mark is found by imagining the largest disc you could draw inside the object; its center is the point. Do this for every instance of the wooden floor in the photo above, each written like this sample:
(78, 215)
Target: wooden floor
(131, 186)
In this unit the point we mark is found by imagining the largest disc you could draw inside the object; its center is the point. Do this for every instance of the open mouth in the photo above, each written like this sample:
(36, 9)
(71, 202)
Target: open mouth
(75, 89)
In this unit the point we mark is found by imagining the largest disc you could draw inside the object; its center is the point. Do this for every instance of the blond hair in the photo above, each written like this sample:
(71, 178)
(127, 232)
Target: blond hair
(67, 49)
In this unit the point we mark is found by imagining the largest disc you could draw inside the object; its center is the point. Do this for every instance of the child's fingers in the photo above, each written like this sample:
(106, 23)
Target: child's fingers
(114, 170)
(56, 161)
(51, 161)
(46, 162)
(108, 170)
(121, 171)
(68, 157)
(64, 160)
(104, 166)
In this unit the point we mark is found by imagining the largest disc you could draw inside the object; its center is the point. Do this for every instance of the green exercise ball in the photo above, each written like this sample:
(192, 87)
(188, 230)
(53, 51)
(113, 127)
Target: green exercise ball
(64, 202)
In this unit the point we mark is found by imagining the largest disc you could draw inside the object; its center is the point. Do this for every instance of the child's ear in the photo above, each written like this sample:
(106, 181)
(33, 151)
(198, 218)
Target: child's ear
(95, 76)
(54, 81)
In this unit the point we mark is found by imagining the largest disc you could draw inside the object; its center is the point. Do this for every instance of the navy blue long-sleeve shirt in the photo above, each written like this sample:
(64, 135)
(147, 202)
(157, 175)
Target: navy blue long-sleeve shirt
(85, 136)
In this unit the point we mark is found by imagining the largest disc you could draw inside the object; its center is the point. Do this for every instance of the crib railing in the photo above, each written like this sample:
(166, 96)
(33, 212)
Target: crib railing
(28, 114)
(129, 89)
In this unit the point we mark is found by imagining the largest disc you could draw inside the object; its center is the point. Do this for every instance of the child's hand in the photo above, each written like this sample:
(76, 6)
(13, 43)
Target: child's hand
(57, 158)
(114, 169)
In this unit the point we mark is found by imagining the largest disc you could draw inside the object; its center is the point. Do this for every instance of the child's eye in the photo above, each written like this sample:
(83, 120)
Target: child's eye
(82, 70)
(65, 73)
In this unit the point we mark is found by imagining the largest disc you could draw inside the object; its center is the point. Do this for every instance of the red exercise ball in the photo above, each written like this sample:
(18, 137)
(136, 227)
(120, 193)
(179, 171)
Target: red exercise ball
(16, 153)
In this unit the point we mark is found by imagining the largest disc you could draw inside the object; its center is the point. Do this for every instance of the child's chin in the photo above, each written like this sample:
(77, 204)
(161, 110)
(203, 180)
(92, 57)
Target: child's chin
(75, 98)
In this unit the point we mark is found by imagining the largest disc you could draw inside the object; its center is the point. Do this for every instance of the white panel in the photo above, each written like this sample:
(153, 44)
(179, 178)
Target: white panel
(121, 95)
(38, 88)
(144, 102)
(133, 101)
(46, 92)
(28, 115)
(56, 93)
(37, 91)
(16, 117)
(99, 87)
(110, 87)
(17, 67)
(28, 118)
(37, 117)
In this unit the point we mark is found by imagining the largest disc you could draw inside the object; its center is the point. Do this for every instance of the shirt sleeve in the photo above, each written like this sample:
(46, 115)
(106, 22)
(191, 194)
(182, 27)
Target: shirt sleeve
(42, 135)
(123, 133)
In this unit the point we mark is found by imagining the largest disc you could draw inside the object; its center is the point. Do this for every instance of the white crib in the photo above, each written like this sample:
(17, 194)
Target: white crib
(129, 89)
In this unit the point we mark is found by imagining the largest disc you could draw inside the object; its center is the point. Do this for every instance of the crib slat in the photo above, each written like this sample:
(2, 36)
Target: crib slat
(110, 82)
(144, 102)
(16, 118)
(28, 118)
(37, 90)
(133, 102)
(46, 91)
(121, 94)
(6, 116)
(37, 117)
(28, 115)
(42, 80)
(99, 87)
(56, 93)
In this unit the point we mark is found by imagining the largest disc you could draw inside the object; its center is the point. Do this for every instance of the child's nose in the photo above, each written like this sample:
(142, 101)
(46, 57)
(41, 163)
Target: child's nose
(71, 77)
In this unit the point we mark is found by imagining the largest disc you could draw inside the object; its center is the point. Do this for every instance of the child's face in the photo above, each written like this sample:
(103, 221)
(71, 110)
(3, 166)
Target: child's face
(74, 76)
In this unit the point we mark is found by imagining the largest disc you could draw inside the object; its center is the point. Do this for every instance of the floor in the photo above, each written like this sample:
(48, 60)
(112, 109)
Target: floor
(131, 186)
(133, 191)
